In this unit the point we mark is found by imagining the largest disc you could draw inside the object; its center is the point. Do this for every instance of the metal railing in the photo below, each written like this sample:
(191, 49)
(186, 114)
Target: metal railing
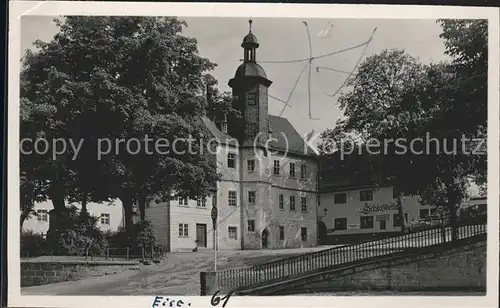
(238, 278)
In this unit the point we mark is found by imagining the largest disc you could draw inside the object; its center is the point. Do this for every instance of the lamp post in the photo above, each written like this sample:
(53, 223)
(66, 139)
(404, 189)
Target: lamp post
(214, 215)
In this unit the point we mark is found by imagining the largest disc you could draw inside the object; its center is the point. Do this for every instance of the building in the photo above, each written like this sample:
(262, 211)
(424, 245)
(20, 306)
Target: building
(267, 197)
(361, 211)
(110, 216)
(354, 210)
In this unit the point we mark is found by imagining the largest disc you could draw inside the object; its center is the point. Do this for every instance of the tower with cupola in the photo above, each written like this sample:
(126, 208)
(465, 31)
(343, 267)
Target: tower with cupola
(250, 85)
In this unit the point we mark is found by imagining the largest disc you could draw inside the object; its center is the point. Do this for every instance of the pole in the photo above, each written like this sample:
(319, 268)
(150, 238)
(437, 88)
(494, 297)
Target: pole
(215, 248)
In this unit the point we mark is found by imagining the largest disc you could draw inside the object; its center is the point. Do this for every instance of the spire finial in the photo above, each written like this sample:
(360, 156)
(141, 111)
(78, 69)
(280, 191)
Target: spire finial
(250, 25)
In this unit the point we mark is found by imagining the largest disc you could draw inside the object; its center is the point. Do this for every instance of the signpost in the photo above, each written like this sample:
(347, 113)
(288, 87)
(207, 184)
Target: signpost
(214, 214)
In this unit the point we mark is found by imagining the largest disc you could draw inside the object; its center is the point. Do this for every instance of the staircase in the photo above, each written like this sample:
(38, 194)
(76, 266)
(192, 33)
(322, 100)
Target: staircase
(261, 275)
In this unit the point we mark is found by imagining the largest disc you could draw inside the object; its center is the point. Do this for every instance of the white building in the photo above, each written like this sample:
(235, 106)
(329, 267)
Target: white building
(110, 216)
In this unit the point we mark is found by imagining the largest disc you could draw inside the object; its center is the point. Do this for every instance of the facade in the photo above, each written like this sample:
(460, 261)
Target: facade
(364, 212)
(267, 196)
(110, 216)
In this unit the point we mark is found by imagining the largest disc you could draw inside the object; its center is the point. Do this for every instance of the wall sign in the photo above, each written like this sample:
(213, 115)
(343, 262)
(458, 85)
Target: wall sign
(377, 208)
(353, 226)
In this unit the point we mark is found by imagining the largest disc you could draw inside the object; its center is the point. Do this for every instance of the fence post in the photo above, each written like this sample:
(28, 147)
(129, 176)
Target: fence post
(208, 282)
(443, 231)
(127, 252)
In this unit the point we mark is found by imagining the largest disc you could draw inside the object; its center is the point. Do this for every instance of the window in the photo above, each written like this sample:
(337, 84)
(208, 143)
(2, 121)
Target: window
(232, 232)
(251, 165)
(303, 171)
(303, 234)
(265, 152)
(292, 170)
(183, 201)
(282, 233)
(340, 198)
(105, 219)
(406, 217)
(276, 169)
(318, 200)
(382, 224)
(292, 203)
(366, 195)
(42, 215)
(224, 127)
(251, 130)
(396, 220)
(395, 193)
(424, 213)
(434, 212)
(252, 98)
(231, 160)
(251, 225)
(303, 204)
(201, 202)
(183, 230)
(231, 198)
(340, 223)
(214, 200)
(281, 202)
(251, 197)
(366, 222)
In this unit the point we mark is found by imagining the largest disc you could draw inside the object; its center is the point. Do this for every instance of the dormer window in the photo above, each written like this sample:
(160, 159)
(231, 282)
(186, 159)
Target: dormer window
(223, 124)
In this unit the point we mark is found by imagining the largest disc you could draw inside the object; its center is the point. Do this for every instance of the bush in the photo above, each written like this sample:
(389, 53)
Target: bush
(140, 236)
(33, 244)
(81, 236)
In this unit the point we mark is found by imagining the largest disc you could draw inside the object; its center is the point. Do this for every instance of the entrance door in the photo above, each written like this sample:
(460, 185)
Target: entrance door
(264, 238)
(201, 235)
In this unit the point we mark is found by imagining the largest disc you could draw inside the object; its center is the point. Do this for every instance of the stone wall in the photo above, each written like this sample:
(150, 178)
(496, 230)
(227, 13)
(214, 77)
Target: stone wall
(446, 268)
(44, 272)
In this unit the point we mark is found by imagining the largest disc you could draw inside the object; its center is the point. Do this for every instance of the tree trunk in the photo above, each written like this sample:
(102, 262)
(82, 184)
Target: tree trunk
(401, 212)
(142, 207)
(128, 204)
(84, 214)
(24, 216)
(58, 218)
(84, 206)
(454, 198)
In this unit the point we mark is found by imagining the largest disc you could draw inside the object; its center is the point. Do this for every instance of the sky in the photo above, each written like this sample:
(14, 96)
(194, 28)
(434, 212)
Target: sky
(219, 39)
(280, 39)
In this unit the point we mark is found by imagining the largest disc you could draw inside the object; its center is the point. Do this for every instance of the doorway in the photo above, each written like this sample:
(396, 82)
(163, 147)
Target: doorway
(265, 235)
(322, 233)
(201, 235)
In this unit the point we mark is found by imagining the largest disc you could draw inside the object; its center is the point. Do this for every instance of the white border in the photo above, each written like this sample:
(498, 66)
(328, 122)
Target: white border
(50, 8)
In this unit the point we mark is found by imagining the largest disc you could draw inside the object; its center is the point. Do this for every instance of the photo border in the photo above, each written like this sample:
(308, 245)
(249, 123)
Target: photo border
(330, 11)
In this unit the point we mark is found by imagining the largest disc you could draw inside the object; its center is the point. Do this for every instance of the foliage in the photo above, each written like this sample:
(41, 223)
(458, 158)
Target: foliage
(140, 235)
(138, 78)
(81, 236)
(474, 214)
(394, 97)
(33, 244)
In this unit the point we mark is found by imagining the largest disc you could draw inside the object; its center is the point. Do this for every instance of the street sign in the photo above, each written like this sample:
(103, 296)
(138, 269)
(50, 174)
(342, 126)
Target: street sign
(214, 213)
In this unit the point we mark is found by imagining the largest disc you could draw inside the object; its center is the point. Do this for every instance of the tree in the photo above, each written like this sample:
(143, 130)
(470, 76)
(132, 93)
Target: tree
(394, 96)
(106, 79)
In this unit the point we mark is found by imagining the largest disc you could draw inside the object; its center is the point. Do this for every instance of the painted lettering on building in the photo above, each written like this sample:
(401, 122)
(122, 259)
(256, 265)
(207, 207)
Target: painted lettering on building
(378, 208)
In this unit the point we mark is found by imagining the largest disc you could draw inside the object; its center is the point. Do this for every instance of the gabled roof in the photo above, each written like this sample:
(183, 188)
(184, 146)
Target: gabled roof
(288, 139)
(220, 136)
